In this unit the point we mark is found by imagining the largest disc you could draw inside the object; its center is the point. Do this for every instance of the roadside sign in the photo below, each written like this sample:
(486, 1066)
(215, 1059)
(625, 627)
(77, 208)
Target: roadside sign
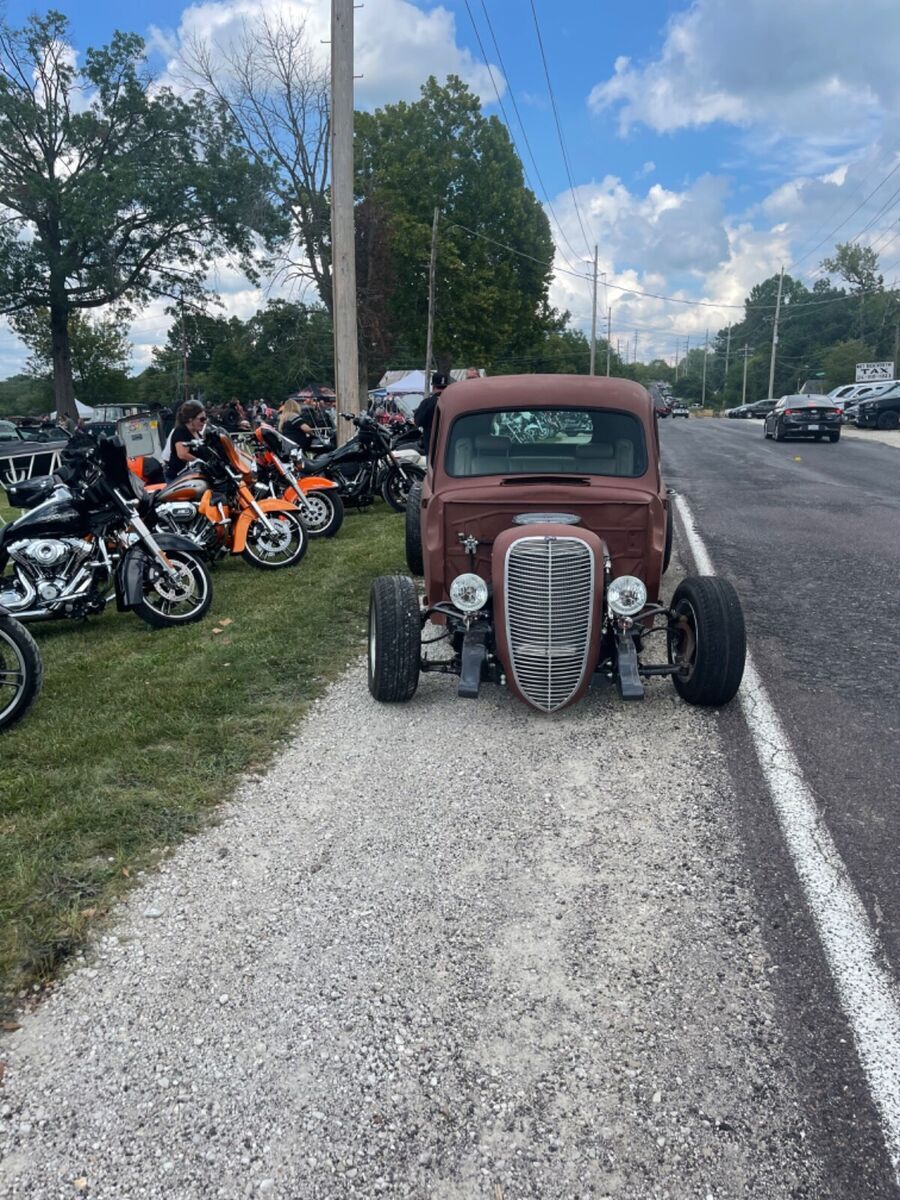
(872, 372)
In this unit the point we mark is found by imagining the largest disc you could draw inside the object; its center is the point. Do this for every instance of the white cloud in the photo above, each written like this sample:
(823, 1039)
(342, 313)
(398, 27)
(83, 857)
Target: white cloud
(397, 44)
(13, 353)
(809, 69)
(675, 244)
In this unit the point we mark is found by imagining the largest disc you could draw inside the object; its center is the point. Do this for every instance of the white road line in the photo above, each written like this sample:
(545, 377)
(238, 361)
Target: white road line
(865, 984)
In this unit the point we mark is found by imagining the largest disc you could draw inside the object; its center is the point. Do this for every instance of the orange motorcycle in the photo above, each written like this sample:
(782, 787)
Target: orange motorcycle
(317, 498)
(223, 508)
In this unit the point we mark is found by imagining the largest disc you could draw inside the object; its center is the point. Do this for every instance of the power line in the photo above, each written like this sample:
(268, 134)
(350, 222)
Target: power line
(862, 204)
(515, 105)
(791, 307)
(890, 203)
(509, 126)
(562, 142)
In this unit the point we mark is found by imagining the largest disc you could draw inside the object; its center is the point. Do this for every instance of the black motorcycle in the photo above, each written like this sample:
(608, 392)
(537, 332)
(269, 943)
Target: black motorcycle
(85, 539)
(367, 465)
(21, 670)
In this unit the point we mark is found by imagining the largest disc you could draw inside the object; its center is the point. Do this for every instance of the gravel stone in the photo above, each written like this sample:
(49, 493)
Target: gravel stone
(458, 949)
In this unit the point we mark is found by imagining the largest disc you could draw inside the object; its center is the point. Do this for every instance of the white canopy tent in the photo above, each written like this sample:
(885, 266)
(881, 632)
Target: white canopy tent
(407, 391)
(83, 410)
(407, 384)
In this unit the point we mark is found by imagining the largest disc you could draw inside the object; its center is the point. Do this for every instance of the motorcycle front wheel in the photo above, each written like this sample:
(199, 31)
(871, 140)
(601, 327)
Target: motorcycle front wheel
(397, 483)
(281, 546)
(21, 671)
(323, 513)
(168, 601)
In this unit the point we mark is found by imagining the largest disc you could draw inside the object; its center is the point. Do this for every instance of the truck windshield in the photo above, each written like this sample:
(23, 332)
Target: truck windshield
(547, 441)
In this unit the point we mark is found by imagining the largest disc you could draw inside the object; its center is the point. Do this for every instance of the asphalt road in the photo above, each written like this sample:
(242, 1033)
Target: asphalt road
(809, 533)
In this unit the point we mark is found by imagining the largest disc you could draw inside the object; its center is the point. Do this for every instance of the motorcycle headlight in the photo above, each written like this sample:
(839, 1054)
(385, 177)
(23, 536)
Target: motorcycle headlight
(626, 596)
(469, 593)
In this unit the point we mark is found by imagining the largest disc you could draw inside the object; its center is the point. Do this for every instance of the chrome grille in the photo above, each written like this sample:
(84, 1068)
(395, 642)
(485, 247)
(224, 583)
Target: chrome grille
(549, 585)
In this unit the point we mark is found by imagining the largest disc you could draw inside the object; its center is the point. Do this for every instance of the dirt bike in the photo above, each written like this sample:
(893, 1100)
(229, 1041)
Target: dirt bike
(87, 536)
(219, 504)
(21, 670)
(317, 498)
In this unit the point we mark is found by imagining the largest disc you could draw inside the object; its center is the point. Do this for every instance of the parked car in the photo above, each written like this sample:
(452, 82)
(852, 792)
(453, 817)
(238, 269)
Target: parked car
(760, 408)
(848, 414)
(803, 416)
(737, 413)
(544, 561)
(851, 393)
(680, 409)
(879, 412)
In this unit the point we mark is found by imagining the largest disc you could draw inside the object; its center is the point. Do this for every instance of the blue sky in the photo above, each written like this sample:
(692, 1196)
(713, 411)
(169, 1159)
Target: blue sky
(708, 142)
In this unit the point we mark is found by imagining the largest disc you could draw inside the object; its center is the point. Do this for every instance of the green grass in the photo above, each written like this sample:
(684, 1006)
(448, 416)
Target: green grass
(139, 733)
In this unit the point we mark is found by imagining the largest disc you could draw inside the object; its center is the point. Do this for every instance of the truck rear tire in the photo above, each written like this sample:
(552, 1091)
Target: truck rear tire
(395, 639)
(414, 559)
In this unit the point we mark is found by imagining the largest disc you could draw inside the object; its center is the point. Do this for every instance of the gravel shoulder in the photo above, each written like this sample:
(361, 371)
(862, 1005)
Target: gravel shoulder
(445, 949)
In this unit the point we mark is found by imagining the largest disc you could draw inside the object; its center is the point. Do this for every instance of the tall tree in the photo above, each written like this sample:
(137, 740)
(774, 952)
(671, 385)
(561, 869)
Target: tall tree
(857, 266)
(274, 87)
(99, 349)
(494, 237)
(111, 188)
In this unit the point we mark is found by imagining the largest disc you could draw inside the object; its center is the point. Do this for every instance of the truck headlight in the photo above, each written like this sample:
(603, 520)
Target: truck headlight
(469, 593)
(626, 596)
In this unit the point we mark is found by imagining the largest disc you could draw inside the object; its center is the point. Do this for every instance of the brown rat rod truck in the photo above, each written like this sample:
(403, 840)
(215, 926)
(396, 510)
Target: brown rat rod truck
(543, 528)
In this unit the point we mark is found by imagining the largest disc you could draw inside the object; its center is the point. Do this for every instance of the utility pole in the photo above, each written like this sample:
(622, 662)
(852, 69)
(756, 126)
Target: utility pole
(705, 357)
(896, 349)
(744, 390)
(594, 317)
(775, 335)
(343, 239)
(677, 346)
(619, 349)
(608, 334)
(184, 357)
(727, 353)
(634, 359)
(431, 270)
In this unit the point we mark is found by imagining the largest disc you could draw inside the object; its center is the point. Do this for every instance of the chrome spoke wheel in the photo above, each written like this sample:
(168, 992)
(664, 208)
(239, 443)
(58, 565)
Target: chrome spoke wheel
(176, 597)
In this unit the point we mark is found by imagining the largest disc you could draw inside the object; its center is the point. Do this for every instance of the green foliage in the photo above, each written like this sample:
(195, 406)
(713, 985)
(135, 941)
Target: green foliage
(99, 348)
(442, 151)
(280, 349)
(856, 265)
(840, 361)
(25, 396)
(103, 775)
(814, 323)
(113, 189)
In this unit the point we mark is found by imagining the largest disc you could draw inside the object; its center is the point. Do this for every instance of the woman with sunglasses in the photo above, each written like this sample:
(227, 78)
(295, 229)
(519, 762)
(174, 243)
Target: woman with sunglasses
(190, 423)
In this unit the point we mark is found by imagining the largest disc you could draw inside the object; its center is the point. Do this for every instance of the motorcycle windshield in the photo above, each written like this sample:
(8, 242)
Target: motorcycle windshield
(114, 462)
